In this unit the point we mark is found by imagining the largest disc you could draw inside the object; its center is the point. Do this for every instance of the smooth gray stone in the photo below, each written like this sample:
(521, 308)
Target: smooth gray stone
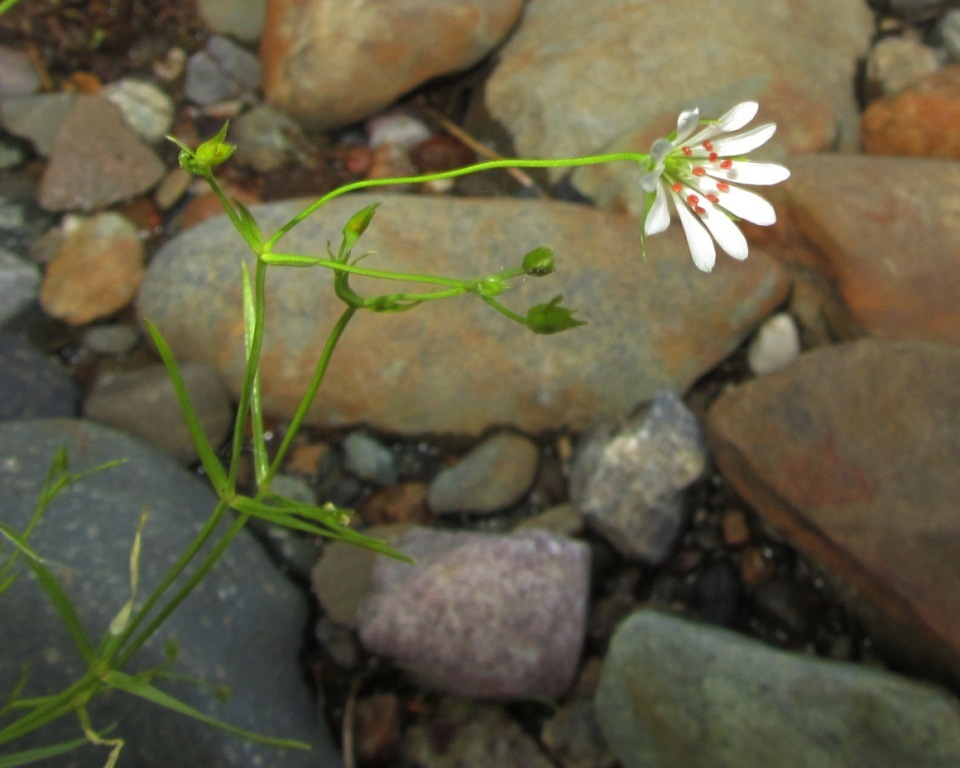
(243, 626)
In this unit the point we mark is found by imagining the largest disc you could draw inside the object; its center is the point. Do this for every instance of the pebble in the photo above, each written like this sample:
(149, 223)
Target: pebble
(397, 127)
(96, 160)
(377, 727)
(858, 484)
(628, 482)
(455, 366)
(266, 139)
(18, 76)
(402, 503)
(240, 19)
(37, 118)
(96, 272)
(143, 403)
(328, 64)
(481, 615)
(222, 71)
(573, 737)
(460, 733)
(175, 184)
(22, 221)
(496, 474)
(146, 108)
(19, 285)
(543, 89)
(948, 31)
(33, 385)
(676, 693)
(243, 627)
(897, 279)
(920, 121)
(736, 530)
(11, 155)
(369, 459)
(776, 345)
(898, 62)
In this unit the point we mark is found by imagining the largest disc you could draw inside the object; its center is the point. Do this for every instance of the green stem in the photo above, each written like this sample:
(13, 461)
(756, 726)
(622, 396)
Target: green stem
(273, 258)
(54, 707)
(637, 157)
(509, 313)
(318, 374)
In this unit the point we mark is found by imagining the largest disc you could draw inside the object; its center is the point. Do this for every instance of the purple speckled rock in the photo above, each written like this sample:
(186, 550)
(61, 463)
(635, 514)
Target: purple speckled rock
(482, 615)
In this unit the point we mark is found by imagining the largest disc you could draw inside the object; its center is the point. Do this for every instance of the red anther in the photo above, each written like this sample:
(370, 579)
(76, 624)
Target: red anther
(713, 156)
(698, 171)
(712, 198)
(687, 151)
(722, 186)
(708, 145)
(726, 165)
(677, 187)
(693, 199)
(700, 210)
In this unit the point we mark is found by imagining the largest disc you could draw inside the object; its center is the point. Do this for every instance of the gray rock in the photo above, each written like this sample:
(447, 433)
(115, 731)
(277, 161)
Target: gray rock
(456, 366)
(10, 155)
(143, 403)
(220, 72)
(18, 76)
(32, 384)
(481, 615)
(776, 345)
(22, 221)
(628, 484)
(115, 339)
(574, 739)
(369, 459)
(948, 31)
(493, 476)
(19, 285)
(674, 693)
(898, 62)
(146, 108)
(37, 118)
(243, 627)
(241, 19)
(266, 139)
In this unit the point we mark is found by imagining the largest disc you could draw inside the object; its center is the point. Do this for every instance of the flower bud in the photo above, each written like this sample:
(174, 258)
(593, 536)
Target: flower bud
(358, 224)
(539, 262)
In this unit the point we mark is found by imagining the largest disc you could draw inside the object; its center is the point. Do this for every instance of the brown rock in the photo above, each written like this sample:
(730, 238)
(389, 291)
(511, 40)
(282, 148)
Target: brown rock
(886, 230)
(922, 121)
(96, 160)
(852, 454)
(328, 63)
(96, 272)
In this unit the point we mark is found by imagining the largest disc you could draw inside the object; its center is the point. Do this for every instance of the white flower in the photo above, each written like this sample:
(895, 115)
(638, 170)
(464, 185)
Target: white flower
(696, 171)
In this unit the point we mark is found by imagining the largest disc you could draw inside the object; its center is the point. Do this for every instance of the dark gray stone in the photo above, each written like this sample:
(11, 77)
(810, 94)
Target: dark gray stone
(243, 626)
(32, 384)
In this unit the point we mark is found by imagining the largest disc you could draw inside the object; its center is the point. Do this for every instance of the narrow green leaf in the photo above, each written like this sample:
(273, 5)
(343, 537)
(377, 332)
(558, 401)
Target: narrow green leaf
(208, 458)
(261, 460)
(20, 543)
(64, 607)
(247, 227)
(40, 753)
(291, 260)
(146, 691)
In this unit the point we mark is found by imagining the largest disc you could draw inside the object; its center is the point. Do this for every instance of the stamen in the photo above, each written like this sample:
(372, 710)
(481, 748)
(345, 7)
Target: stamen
(677, 187)
(722, 186)
(700, 210)
(698, 171)
(712, 198)
(726, 165)
(708, 145)
(712, 157)
(687, 151)
(693, 200)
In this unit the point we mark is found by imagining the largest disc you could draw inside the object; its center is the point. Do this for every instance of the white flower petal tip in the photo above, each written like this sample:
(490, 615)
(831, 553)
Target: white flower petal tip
(702, 173)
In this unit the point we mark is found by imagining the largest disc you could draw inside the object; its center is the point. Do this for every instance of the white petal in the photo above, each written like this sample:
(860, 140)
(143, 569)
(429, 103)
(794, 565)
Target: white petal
(687, 123)
(748, 206)
(745, 142)
(698, 239)
(725, 232)
(659, 150)
(658, 217)
(739, 116)
(749, 173)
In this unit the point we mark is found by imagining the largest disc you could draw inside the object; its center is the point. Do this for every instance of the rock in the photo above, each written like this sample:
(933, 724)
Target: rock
(776, 345)
(18, 76)
(146, 108)
(22, 221)
(243, 627)
(241, 19)
(573, 737)
(32, 384)
(864, 484)
(921, 121)
(948, 31)
(397, 127)
(898, 62)
(456, 366)
(328, 64)
(341, 577)
(369, 459)
(37, 118)
(674, 693)
(19, 285)
(143, 403)
(884, 229)
(491, 477)
(96, 272)
(116, 339)
(378, 721)
(486, 616)
(266, 139)
(570, 80)
(628, 483)
(96, 160)
(222, 71)
(11, 155)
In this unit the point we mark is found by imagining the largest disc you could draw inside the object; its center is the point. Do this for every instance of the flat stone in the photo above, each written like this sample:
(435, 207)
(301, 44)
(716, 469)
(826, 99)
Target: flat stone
(220, 72)
(240, 19)
(33, 384)
(675, 693)
(96, 160)
(329, 63)
(456, 366)
(851, 453)
(19, 284)
(37, 117)
(886, 231)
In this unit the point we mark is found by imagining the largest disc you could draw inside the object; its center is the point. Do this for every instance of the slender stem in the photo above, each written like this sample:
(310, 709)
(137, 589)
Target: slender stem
(272, 258)
(54, 707)
(504, 311)
(318, 374)
(637, 157)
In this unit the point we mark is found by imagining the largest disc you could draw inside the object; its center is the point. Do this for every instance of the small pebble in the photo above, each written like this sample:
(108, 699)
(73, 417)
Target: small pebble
(19, 284)
(397, 127)
(756, 566)
(403, 503)
(115, 339)
(146, 108)
(898, 62)
(18, 76)
(776, 345)
(377, 721)
(175, 184)
(220, 72)
(736, 531)
(369, 459)
(948, 31)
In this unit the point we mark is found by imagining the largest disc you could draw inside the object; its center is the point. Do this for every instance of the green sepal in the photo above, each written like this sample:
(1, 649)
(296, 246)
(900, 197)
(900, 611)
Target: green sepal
(551, 317)
(247, 227)
(357, 225)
